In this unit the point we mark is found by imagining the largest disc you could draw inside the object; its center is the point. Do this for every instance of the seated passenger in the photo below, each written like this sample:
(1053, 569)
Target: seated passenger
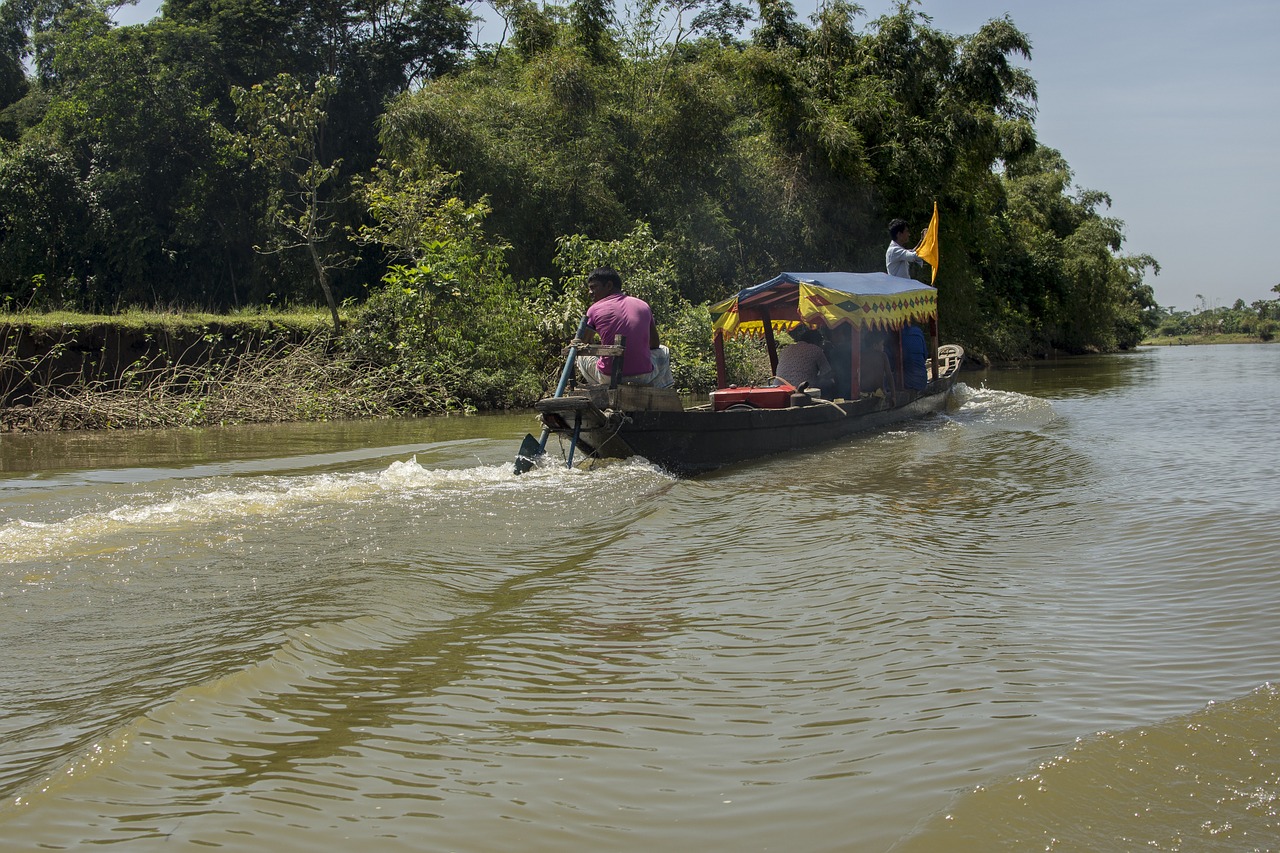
(875, 370)
(838, 344)
(804, 362)
(613, 314)
(914, 354)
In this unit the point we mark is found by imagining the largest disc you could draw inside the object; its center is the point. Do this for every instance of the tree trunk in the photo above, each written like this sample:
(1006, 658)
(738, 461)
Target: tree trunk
(322, 275)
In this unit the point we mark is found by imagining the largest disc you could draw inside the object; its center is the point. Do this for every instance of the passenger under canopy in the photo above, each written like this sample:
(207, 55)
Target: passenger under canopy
(828, 300)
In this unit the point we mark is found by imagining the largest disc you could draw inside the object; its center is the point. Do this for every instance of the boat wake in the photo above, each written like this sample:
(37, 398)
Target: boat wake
(998, 410)
(236, 502)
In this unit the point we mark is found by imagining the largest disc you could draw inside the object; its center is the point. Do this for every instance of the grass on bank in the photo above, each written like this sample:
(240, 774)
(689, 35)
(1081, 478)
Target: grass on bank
(303, 319)
(1195, 340)
(295, 370)
(396, 357)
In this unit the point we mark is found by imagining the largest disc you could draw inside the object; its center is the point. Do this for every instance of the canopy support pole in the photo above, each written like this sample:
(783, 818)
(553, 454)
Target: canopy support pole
(933, 345)
(899, 368)
(855, 361)
(722, 371)
(770, 343)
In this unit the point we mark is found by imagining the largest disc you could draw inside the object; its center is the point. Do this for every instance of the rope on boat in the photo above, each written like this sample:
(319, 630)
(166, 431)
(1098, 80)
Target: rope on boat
(594, 455)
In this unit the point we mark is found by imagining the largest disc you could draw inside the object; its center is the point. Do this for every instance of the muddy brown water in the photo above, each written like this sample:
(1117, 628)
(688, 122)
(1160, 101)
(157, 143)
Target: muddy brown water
(1043, 620)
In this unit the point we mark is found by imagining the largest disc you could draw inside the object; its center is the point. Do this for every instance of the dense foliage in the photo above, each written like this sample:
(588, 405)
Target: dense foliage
(257, 151)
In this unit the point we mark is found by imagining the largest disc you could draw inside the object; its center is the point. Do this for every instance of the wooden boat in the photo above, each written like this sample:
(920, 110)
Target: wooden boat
(743, 423)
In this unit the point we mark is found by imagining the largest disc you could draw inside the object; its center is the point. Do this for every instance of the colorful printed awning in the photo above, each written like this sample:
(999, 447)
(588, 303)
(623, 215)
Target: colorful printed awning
(868, 300)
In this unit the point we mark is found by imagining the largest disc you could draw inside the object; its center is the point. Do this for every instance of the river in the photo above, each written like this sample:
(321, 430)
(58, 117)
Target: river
(1043, 620)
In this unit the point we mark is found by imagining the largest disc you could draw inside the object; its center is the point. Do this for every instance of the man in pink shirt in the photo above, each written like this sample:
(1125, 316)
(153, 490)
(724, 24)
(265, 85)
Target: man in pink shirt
(612, 314)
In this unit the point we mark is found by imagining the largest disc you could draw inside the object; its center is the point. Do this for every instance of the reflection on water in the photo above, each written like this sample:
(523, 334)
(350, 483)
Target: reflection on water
(1077, 376)
(135, 453)
(376, 633)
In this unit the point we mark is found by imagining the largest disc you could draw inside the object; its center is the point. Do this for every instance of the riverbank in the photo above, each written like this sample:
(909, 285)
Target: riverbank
(141, 370)
(62, 371)
(61, 348)
(1198, 340)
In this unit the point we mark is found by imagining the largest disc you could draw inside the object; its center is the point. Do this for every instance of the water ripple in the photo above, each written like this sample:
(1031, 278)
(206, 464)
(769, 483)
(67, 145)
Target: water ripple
(811, 652)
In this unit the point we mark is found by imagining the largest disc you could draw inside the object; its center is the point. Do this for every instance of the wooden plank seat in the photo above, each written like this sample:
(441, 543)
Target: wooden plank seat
(561, 412)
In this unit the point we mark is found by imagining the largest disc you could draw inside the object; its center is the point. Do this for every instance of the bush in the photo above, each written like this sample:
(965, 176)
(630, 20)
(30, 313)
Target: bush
(693, 359)
(688, 337)
(448, 317)
(476, 345)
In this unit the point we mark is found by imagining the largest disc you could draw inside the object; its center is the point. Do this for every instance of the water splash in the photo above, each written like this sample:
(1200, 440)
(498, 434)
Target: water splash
(223, 501)
(1004, 410)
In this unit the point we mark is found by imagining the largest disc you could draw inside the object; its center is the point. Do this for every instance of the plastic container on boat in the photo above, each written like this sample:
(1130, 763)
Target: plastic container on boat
(775, 397)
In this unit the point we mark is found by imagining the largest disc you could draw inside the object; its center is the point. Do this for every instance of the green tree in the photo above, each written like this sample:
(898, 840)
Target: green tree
(29, 31)
(372, 49)
(791, 149)
(284, 122)
(778, 27)
(129, 107)
(447, 312)
(1063, 267)
(644, 263)
(53, 229)
(592, 28)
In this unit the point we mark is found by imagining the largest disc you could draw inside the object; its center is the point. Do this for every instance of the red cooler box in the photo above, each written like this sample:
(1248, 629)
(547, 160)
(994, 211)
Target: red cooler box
(774, 397)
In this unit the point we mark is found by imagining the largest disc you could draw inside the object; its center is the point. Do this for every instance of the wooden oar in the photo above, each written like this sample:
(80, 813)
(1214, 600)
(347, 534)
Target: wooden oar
(532, 448)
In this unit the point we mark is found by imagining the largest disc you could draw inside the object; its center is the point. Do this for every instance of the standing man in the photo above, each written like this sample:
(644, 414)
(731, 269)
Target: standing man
(612, 314)
(898, 259)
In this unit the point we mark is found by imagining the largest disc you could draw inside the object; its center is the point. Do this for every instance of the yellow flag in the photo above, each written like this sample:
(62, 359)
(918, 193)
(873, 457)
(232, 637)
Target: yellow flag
(928, 248)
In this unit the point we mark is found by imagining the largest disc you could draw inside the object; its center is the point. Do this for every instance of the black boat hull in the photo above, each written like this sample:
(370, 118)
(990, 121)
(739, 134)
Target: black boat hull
(697, 440)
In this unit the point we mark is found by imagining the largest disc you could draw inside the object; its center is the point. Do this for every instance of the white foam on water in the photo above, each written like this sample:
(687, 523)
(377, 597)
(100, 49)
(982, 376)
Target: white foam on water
(222, 501)
(1007, 410)
(231, 497)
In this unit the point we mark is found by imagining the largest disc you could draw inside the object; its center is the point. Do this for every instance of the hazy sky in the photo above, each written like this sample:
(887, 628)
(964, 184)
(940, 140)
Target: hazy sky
(1171, 107)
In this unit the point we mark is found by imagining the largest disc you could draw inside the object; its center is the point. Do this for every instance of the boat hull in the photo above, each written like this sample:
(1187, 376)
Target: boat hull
(693, 441)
